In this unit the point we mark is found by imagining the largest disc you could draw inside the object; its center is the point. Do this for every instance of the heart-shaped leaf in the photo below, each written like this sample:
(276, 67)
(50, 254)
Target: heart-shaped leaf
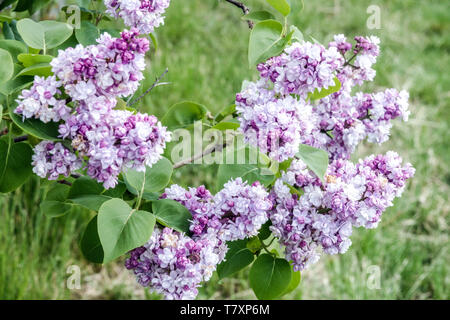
(270, 276)
(122, 229)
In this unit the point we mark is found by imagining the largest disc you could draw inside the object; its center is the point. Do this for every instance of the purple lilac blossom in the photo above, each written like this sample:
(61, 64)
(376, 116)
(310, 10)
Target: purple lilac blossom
(50, 160)
(173, 264)
(40, 101)
(111, 68)
(277, 127)
(114, 140)
(145, 15)
(323, 217)
(302, 68)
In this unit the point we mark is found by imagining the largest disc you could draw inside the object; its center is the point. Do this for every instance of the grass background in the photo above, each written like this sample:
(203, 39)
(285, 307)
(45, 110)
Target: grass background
(204, 45)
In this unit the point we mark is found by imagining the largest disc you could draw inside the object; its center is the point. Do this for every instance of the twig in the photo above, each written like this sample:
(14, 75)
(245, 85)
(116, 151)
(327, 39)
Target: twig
(65, 182)
(244, 9)
(20, 139)
(157, 80)
(216, 147)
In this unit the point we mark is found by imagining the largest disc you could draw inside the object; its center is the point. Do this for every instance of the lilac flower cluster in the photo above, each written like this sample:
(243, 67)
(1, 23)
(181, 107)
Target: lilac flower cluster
(109, 141)
(40, 101)
(111, 68)
(276, 115)
(302, 68)
(277, 127)
(114, 140)
(175, 265)
(146, 15)
(53, 159)
(348, 120)
(323, 217)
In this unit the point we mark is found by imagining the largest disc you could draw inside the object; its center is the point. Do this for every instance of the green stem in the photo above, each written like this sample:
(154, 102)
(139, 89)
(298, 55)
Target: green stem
(141, 193)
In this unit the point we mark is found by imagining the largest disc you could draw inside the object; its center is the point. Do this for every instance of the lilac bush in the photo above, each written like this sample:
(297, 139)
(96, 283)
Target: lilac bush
(302, 115)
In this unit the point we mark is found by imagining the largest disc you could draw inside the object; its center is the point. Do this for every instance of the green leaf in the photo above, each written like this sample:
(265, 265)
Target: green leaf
(16, 84)
(35, 127)
(238, 257)
(45, 34)
(153, 179)
(257, 16)
(225, 112)
(154, 40)
(183, 114)
(55, 204)
(84, 186)
(315, 159)
(6, 3)
(248, 170)
(297, 34)
(15, 165)
(87, 34)
(172, 214)
(29, 60)
(91, 201)
(270, 276)
(90, 244)
(122, 229)
(316, 95)
(282, 6)
(6, 66)
(14, 47)
(265, 232)
(266, 40)
(227, 125)
(295, 281)
(8, 32)
(43, 69)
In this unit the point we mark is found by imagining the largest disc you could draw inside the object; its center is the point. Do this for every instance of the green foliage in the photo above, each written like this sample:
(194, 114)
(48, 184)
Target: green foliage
(238, 257)
(172, 214)
(154, 178)
(315, 159)
(270, 277)
(6, 67)
(87, 34)
(266, 40)
(183, 114)
(29, 59)
(44, 34)
(282, 6)
(257, 16)
(35, 127)
(14, 47)
(122, 229)
(316, 95)
(90, 244)
(55, 204)
(15, 164)
(253, 167)
(41, 69)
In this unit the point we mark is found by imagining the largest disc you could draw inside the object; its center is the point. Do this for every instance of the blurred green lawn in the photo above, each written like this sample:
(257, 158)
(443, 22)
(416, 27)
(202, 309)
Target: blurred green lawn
(204, 43)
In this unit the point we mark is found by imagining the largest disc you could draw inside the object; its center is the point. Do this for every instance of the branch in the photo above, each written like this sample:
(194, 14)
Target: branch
(157, 80)
(217, 147)
(20, 139)
(65, 182)
(244, 9)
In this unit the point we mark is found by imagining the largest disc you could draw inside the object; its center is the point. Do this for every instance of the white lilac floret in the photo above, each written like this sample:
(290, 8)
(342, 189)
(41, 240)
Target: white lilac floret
(145, 15)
